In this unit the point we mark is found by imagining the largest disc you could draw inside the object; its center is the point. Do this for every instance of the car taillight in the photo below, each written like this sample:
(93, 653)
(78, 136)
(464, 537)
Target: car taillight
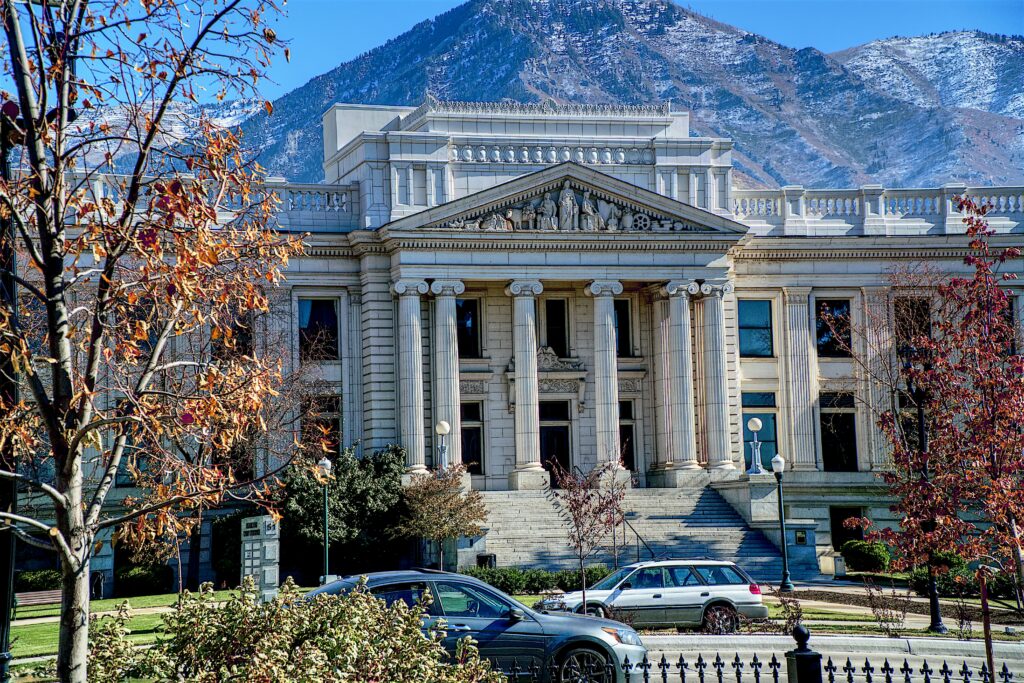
(755, 589)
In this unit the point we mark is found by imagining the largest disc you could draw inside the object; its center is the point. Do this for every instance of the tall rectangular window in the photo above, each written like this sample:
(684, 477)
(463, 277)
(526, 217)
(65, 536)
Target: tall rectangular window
(702, 190)
(838, 432)
(627, 435)
(471, 414)
(833, 328)
(760, 404)
(912, 320)
(318, 329)
(755, 324)
(321, 426)
(556, 326)
(837, 516)
(623, 329)
(467, 326)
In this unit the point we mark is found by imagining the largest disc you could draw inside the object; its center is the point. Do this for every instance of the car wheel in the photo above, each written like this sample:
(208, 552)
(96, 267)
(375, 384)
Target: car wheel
(596, 611)
(583, 665)
(720, 619)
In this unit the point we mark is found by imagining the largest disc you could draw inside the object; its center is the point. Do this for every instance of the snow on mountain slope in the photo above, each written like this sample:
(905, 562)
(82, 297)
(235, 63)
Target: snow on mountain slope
(797, 116)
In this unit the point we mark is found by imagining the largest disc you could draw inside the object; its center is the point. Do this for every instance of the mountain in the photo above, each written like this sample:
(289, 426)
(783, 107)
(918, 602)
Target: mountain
(903, 111)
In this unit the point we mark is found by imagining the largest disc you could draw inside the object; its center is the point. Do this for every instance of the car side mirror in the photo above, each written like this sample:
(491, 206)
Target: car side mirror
(516, 615)
(625, 586)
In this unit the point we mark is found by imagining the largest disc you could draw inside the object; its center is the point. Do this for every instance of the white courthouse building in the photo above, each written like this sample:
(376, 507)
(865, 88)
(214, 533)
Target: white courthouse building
(586, 284)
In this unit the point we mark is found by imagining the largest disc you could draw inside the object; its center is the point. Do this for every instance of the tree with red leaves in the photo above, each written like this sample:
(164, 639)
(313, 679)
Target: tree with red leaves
(957, 482)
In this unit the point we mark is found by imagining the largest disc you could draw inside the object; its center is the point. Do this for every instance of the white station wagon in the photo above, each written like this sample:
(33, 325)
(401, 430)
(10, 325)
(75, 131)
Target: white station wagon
(668, 593)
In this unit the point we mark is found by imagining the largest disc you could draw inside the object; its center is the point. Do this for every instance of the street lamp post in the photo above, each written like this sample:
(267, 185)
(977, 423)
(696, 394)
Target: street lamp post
(325, 470)
(443, 429)
(928, 526)
(779, 467)
(754, 425)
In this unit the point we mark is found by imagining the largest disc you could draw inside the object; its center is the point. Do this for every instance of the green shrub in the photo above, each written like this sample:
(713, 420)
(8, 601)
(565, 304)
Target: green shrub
(961, 581)
(37, 580)
(513, 580)
(866, 556)
(351, 637)
(151, 579)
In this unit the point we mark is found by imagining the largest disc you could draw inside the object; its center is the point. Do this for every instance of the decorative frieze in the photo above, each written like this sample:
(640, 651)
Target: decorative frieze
(570, 207)
(534, 154)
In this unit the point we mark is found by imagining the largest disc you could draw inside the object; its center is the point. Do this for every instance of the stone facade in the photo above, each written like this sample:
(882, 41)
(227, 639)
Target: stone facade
(614, 236)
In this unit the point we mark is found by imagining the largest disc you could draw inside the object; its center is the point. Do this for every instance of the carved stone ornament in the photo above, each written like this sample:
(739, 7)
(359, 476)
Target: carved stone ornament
(631, 384)
(559, 386)
(473, 386)
(548, 360)
(567, 207)
(409, 287)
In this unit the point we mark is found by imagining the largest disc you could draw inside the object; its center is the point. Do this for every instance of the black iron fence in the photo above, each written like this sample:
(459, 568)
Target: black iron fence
(802, 665)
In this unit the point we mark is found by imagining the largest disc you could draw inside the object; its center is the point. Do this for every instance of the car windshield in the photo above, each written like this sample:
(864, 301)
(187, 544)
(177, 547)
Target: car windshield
(609, 582)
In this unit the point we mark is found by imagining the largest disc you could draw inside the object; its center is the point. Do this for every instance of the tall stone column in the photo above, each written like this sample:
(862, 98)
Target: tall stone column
(410, 372)
(606, 378)
(683, 426)
(446, 362)
(716, 378)
(800, 378)
(664, 451)
(529, 473)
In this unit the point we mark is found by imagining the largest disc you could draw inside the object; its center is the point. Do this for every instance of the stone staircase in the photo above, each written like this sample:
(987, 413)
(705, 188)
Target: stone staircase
(526, 529)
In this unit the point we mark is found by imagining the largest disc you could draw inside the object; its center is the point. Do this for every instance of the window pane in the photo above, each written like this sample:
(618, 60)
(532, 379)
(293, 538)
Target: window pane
(321, 426)
(472, 449)
(467, 324)
(720, 576)
(767, 438)
(625, 410)
(837, 525)
(409, 593)
(318, 329)
(839, 442)
(755, 326)
(557, 326)
(627, 447)
(912, 320)
(833, 327)
(623, 332)
(460, 600)
(554, 411)
(470, 412)
(758, 399)
(651, 577)
(680, 577)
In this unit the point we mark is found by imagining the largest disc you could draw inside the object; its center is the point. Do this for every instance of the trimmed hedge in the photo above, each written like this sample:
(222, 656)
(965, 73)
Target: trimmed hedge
(515, 580)
(143, 580)
(956, 579)
(37, 580)
(866, 556)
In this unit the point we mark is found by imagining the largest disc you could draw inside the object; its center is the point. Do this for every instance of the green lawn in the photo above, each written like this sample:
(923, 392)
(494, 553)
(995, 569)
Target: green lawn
(41, 639)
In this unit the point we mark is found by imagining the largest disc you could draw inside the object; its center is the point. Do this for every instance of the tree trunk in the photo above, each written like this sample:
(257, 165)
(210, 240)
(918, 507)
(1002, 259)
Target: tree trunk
(583, 583)
(1018, 560)
(73, 646)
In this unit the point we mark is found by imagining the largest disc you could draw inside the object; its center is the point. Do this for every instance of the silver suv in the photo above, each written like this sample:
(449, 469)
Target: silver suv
(667, 593)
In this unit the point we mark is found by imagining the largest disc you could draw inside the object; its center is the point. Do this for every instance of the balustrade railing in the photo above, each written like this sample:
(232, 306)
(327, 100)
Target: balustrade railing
(873, 210)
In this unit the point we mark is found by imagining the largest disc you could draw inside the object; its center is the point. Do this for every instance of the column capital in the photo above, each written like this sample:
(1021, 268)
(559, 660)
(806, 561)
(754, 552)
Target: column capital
(796, 293)
(409, 287)
(712, 289)
(524, 288)
(604, 288)
(680, 288)
(447, 287)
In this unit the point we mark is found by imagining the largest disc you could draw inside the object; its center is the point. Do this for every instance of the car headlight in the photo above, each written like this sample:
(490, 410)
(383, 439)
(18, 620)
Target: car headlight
(625, 636)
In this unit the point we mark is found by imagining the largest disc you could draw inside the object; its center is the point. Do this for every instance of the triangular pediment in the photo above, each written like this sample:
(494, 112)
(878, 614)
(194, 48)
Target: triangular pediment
(568, 198)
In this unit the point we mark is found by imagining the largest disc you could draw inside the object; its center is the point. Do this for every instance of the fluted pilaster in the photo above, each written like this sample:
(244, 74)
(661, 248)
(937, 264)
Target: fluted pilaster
(800, 379)
(410, 369)
(716, 378)
(606, 380)
(446, 362)
(529, 472)
(664, 453)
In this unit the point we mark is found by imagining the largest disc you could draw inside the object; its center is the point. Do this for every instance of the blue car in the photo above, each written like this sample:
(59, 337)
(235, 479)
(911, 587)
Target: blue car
(565, 647)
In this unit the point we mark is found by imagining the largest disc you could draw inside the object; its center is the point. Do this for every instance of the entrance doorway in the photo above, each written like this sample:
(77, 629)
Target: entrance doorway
(555, 435)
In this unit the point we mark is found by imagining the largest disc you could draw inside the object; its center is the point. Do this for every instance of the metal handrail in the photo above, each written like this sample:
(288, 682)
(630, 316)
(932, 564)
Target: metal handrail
(639, 540)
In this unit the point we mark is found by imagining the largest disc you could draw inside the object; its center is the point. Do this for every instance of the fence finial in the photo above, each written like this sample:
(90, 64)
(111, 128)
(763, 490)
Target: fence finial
(803, 665)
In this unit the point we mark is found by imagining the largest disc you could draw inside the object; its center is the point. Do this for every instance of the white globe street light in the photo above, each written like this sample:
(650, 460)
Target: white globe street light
(324, 466)
(778, 467)
(754, 425)
(443, 429)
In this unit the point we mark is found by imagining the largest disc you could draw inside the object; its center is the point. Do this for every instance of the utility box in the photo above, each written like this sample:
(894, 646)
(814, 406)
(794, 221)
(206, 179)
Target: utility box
(260, 554)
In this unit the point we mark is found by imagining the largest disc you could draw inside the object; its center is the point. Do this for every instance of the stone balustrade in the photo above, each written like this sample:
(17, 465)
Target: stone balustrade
(873, 210)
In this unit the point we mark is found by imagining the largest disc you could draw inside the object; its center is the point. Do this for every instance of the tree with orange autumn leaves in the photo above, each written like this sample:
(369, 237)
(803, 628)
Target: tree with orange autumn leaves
(959, 355)
(141, 295)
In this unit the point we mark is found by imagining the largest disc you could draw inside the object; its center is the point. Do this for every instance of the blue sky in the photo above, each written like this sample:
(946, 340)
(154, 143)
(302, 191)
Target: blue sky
(325, 33)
